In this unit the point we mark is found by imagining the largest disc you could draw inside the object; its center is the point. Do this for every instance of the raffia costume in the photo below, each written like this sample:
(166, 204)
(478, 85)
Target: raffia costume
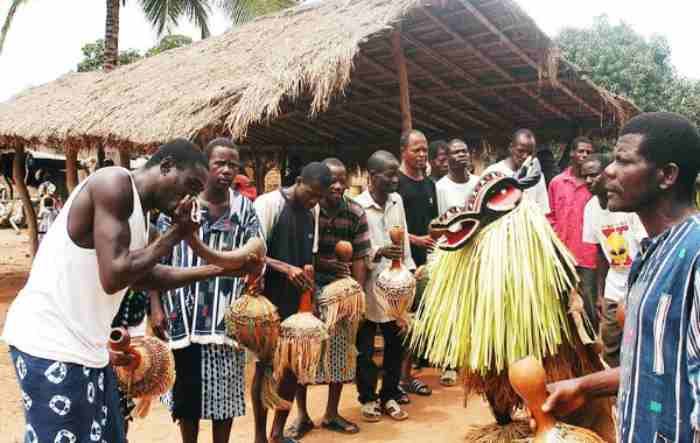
(503, 287)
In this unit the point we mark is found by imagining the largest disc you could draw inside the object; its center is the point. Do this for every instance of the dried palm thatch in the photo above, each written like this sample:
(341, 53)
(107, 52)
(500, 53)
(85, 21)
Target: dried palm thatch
(330, 62)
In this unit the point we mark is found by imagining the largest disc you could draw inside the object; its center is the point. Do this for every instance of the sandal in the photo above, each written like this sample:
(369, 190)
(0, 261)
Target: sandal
(448, 377)
(371, 413)
(416, 386)
(298, 430)
(393, 410)
(341, 425)
(402, 398)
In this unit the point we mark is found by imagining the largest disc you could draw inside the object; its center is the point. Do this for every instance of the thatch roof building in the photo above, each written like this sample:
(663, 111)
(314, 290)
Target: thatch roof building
(324, 75)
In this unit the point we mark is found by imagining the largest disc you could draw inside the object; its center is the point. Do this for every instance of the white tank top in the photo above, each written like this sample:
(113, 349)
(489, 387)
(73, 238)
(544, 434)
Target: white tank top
(63, 313)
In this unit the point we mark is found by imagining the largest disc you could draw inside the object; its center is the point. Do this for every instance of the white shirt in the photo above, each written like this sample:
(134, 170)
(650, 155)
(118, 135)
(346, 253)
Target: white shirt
(619, 234)
(63, 313)
(380, 220)
(268, 207)
(537, 193)
(451, 194)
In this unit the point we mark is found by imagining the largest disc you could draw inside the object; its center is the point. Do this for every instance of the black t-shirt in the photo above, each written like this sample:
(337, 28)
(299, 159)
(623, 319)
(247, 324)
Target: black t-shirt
(420, 201)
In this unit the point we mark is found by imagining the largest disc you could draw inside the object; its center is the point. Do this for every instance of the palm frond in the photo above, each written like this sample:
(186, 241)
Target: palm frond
(8, 21)
(241, 11)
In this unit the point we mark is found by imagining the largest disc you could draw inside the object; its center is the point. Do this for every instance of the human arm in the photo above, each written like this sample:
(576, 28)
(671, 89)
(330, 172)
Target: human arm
(601, 271)
(118, 267)
(567, 396)
(157, 317)
(693, 349)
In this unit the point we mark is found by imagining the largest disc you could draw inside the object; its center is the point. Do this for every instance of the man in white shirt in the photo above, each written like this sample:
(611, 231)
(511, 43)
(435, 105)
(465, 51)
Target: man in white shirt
(521, 147)
(618, 236)
(453, 189)
(384, 209)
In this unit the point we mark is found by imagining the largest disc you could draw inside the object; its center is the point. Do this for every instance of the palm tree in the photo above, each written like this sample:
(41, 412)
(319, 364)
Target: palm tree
(8, 20)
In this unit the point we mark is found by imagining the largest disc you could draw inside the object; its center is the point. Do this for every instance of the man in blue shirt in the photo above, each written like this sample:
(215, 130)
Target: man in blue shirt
(657, 158)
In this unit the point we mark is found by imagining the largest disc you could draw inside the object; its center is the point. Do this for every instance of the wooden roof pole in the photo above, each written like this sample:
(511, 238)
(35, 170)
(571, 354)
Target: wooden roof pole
(123, 158)
(71, 168)
(524, 56)
(404, 92)
(18, 173)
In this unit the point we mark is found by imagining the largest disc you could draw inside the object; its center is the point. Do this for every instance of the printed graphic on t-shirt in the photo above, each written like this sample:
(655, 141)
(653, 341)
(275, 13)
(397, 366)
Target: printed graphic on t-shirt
(617, 246)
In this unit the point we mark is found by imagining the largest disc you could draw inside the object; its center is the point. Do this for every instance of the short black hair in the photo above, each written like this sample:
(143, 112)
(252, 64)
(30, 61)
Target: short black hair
(519, 132)
(455, 141)
(183, 153)
(220, 141)
(378, 162)
(316, 173)
(578, 140)
(669, 138)
(333, 162)
(406, 136)
(603, 159)
(435, 147)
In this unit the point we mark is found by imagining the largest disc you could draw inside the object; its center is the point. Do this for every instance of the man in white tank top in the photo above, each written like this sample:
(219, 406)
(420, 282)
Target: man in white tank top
(58, 326)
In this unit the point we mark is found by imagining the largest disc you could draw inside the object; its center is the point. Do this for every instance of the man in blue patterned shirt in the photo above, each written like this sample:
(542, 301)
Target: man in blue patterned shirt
(657, 159)
(209, 368)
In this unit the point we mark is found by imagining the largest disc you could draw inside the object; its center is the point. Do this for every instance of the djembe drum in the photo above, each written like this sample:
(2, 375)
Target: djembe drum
(300, 341)
(151, 372)
(344, 298)
(527, 376)
(396, 286)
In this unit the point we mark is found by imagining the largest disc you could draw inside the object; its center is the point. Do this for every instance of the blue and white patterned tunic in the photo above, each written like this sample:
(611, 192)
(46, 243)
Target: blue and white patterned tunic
(659, 393)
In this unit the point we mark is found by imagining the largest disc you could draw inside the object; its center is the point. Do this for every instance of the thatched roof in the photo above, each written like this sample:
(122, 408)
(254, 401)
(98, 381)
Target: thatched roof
(324, 75)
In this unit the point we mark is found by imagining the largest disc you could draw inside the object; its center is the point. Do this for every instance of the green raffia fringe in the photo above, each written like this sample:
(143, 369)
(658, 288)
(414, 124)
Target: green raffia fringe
(502, 297)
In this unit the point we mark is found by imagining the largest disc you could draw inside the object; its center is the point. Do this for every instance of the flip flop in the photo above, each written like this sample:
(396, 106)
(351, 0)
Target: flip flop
(340, 425)
(371, 413)
(297, 431)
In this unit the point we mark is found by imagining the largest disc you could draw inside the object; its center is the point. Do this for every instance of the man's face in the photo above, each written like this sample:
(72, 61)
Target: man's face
(459, 157)
(224, 165)
(592, 173)
(581, 153)
(307, 195)
(522, 148)
(630, 180)
(178, 183)
(438, 165)
(387, 181)
(338, 186)
(416, 153)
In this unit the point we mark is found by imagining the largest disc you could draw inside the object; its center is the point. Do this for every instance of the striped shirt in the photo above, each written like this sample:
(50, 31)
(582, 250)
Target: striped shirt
(196, 311)
(660, 361)
(349, 223)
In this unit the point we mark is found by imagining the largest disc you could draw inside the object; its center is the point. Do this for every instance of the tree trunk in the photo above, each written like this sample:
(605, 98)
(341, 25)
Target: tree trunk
(8, 21)
(71, 169)
(111, 56)
(18, 172)
(100, 157)
(404, 91)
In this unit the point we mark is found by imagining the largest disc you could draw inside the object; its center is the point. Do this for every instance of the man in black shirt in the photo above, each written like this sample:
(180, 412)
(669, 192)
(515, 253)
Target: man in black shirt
(420, 201)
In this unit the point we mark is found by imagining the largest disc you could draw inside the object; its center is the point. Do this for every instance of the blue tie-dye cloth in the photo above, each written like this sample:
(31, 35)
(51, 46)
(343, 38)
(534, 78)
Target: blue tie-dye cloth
(67, 402)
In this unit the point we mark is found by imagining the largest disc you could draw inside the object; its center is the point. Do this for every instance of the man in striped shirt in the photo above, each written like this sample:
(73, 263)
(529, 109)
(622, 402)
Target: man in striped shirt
(657, 159)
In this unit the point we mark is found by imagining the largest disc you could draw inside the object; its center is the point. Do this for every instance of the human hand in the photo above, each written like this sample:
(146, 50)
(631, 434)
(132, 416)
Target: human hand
(158, 321)
(424, 241)
(565, 397)
(298, 278)
(338, 268)
(182, 218)
(391, 252)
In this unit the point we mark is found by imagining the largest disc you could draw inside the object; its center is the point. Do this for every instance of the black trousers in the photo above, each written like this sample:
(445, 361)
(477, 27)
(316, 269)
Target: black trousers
(590, 294)
(368, 372)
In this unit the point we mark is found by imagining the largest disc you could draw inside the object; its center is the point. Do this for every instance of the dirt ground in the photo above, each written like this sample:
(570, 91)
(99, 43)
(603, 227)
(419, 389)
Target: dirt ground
(441, 417)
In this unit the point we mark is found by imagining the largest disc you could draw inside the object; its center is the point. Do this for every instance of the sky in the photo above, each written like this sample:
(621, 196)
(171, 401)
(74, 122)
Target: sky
(46, 35)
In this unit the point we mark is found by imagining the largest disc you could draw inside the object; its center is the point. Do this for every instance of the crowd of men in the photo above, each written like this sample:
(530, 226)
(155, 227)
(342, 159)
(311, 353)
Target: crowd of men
(601, 207)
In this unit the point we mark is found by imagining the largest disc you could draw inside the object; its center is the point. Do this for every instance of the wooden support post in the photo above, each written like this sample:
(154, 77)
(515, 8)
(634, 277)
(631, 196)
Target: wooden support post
(124, 159)
(404, 93)
(100, 157)
(18, 173)
(71, 168)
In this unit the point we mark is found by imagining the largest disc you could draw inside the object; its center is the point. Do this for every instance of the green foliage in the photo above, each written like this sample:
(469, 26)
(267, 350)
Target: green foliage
(93, 53)
(94, 56)
(625, 62)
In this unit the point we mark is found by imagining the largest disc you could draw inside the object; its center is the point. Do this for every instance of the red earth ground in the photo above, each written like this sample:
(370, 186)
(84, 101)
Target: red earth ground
(439, 418)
